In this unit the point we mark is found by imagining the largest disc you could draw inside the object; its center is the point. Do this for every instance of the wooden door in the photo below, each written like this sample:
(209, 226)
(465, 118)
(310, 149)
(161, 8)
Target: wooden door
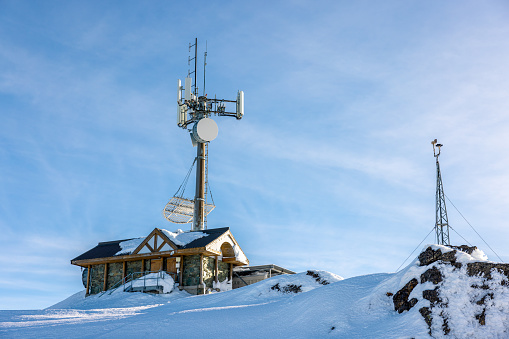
(156, 265)
(171, 265)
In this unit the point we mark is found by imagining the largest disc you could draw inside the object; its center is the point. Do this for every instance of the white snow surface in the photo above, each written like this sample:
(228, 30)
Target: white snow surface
(152, 279)
(239, 255)
(223, 286)
(182, 238)
(128, 246)
(357, 307)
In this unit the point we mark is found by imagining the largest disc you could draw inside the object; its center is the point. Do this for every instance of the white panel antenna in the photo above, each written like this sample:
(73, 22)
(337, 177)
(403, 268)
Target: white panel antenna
(240, 104)
(179, 92)
(187, 91)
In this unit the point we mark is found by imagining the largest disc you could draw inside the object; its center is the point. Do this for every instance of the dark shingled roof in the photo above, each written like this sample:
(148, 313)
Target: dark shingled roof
(102, 250)
(213, 234)
(110, 248)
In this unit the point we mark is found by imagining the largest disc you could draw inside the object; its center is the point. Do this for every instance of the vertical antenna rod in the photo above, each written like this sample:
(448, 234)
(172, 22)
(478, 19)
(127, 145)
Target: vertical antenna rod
(195, 63)
(441, 220)
(204, 67)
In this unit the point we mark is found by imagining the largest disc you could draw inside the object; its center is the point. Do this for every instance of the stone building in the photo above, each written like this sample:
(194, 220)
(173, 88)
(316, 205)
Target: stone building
(244, 276)
(198, 261)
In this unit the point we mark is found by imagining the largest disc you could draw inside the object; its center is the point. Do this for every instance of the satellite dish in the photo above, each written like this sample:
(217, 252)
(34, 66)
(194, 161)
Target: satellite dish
(205, 130)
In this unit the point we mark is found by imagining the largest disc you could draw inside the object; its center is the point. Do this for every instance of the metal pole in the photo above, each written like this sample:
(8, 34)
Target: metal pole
(199, 198)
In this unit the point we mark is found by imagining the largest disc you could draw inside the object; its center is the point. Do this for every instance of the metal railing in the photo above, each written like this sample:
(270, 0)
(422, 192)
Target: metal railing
(148, 282)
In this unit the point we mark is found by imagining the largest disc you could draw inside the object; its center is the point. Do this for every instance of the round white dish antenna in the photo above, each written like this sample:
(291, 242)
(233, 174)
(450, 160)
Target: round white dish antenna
(205, 130)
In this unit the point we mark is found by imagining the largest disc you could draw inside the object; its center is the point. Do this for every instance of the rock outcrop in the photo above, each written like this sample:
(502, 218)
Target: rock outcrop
(457, 284)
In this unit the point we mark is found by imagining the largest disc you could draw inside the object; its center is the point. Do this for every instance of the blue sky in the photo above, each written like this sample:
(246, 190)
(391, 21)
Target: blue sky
(331, 168)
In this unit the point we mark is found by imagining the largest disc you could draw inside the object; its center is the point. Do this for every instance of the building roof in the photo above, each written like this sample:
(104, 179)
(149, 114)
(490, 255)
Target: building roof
(111, 248)
(247, 270)
(102, 250)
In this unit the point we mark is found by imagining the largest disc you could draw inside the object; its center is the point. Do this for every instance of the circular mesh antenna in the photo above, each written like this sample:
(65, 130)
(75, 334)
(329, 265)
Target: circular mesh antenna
(181, 210)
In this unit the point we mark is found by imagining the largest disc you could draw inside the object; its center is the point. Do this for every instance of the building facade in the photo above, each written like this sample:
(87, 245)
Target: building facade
(199, 262)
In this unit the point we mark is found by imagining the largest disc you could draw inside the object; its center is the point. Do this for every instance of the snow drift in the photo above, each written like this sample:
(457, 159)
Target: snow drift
(311, 304)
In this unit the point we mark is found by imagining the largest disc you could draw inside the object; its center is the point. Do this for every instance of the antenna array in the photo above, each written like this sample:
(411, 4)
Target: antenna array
(195, 111)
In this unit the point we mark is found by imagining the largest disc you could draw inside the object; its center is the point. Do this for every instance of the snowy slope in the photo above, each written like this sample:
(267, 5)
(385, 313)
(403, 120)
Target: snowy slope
(341, 308)
(324, 305)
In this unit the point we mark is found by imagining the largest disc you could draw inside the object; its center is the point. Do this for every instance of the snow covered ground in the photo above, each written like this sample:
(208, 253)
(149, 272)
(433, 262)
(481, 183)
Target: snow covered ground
(343, 308)
(312, 304)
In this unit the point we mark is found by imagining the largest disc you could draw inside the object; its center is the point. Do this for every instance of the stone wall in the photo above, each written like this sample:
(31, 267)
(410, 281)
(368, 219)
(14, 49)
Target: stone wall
(96, 278)
(191, 270)
(115, 271)
(224, 271)
(132, 267)
(209, 267)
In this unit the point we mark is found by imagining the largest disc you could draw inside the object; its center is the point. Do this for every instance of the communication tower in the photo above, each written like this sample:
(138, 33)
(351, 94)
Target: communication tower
(194, 114)
(441, 220)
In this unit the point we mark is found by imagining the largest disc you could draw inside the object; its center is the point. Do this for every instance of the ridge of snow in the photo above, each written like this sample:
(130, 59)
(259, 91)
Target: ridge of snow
(181, 238)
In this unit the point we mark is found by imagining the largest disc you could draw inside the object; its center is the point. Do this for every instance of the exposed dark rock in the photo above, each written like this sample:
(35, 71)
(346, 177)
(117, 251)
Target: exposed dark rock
(483, 299)
(412, 302)
(484, 269)
(429, 256)
(319, 279)
(400, 299)
(433, 274)
(426, 314)
(389, 294)
(445, 325)
(292, 288)
(482, 317)
(431, 295)
(465, 248)
(482, 287)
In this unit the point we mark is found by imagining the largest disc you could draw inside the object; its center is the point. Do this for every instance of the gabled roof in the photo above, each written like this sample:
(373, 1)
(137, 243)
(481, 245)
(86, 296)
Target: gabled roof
(102, 250)
(111, 248)
(212, 235)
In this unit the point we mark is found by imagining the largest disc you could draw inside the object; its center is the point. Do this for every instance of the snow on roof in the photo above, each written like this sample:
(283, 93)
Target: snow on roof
(181, 238)
(239, 255)
(128, 246)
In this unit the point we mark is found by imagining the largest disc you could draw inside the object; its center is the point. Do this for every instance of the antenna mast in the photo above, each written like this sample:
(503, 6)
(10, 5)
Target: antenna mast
(196, 111)
(441, 220)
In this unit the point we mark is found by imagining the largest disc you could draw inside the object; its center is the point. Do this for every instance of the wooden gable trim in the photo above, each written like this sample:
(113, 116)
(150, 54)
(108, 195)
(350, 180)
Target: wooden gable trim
(221, 239)
(155, 233)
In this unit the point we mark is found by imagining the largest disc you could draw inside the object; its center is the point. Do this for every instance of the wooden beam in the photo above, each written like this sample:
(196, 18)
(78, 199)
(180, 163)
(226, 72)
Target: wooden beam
(155, 242)
(181, 271)
(201, 270)
(142, 265)
(162, 245)
(105, 277)
(88, 280)
(149, 247)
(124, 271)
(231, 272)
(120, 258)
(216, 269)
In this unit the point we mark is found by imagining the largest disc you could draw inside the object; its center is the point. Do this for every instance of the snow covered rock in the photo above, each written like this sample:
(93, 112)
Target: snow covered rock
(459, 293)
